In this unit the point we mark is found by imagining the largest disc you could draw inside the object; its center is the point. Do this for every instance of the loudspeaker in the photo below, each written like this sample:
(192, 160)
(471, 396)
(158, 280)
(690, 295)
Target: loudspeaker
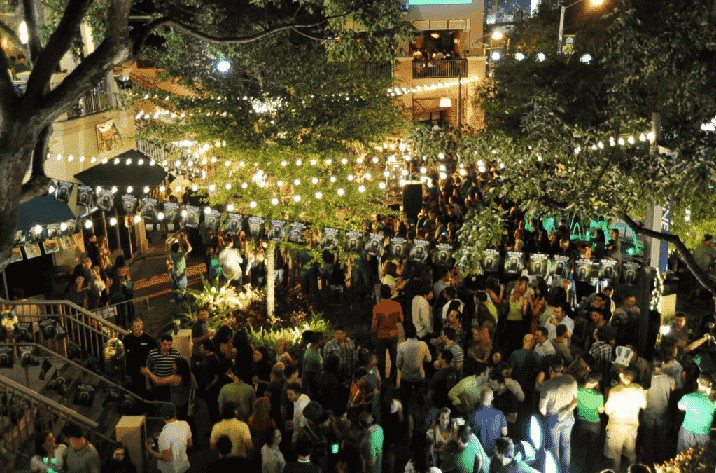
(412, 200)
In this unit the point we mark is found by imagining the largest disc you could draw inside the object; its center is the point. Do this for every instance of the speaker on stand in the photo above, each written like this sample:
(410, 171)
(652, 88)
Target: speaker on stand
(412, 200)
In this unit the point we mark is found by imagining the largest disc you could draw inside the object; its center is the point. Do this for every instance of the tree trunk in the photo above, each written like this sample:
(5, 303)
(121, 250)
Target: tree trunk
(700, 275)
(270, 279)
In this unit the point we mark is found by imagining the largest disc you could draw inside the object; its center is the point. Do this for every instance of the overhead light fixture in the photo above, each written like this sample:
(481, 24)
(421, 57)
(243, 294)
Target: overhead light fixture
(435, 35)
(445, 102)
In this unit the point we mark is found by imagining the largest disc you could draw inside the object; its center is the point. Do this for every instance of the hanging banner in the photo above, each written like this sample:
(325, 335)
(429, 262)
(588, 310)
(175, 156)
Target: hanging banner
(491, 264)
(53, 231)
(257, 227)
(609, 270)
(443, 254)
(514, 262)
(354, 241)
(329, 241)
(16, 254)
(189, 216)
(105, 200)
(399, 248)
(538, 264)
(85, 199)
(213, 220)
(32, 250)
(583, 270)
(420, 251)
(149, 212)
(50, 246)
(171, 215)
(277, 229)
(374, 245)
(129, 204)
(560, 266)
(233, 224)
(296, 232)
(64, 191)
(630, 273)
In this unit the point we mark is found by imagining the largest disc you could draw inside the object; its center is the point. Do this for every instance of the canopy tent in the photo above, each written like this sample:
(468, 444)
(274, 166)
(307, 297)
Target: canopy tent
(43, 210)
(127, 172)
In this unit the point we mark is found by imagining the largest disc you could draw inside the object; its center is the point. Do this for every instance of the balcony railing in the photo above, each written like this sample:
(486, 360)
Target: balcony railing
(379, 69)
(58, 324)
(439, 69)
(96, 100)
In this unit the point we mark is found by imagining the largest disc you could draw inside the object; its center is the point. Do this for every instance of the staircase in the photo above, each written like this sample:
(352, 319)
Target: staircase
(58, 366)
(25, 414)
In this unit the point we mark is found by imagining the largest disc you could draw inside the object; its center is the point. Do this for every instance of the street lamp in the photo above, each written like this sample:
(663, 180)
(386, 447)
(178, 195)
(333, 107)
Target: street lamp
(563, 9)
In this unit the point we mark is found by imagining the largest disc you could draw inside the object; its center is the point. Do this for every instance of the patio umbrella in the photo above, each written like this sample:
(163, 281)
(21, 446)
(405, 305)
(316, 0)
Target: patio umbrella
(42, 210)
(123, 174)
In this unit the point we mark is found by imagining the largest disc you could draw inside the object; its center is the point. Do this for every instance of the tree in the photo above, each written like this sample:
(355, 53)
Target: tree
(25, 119)
(658, 59)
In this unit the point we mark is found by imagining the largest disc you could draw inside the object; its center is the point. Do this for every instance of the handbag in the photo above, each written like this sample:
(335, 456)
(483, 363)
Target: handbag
(191, 410)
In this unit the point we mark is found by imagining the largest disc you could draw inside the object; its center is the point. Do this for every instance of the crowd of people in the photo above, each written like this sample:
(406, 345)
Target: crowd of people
(454, 369)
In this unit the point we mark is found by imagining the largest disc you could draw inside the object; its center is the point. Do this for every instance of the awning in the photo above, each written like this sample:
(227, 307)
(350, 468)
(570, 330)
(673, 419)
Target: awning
(126, 172)
(42, 210)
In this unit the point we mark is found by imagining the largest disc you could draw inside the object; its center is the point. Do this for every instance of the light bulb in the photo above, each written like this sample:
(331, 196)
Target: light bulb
(314, 180)
(194, 188)
(319, 195)
(299, 162)
(114, 189)
(368, 176)
(88, 224)
(423, 170)
(361, 189)
(82, 159)
(130, 189)
(228, 186)
(244, 185)
(297, 198)
(386, 174)
(381, 185)
(441, 156)
(279, 183)
(313, 162)
(350, 177)
(332, 179)
(296, 182)
(253, 204)
(137, 218)
(116, 161)
(113, 221)
(344, 161)
(37, 228)
(274, 201)
(212, 187)
(375, 160)
(160, 216)
(230, 207)
(63, 226)
(340, 191)
(284, 163)
(52, 189)
(329, 162)
(183, 213)
(146, 189)
(178, 188)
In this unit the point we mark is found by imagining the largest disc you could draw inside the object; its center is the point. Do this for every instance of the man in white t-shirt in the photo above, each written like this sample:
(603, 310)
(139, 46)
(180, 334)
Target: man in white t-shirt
(300, 401)
(173, 442)
(559, 316)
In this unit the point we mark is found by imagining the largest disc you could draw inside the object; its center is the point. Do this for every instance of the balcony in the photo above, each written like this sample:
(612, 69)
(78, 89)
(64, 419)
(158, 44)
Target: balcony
(96, 100)
(379, 69)
(439, 69)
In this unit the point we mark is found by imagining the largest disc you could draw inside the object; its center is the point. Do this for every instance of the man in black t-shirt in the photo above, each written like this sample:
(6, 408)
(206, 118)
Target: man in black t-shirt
(137, 346)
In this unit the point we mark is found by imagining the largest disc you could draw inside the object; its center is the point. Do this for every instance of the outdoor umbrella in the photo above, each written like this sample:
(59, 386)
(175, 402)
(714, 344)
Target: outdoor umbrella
(123, 174)
(42, 210)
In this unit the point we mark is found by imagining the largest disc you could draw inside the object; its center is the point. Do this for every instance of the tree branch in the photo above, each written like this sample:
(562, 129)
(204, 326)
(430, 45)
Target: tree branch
(31, 20)
(83, 78)
(8, 97)
(701, 275)
(144, 33)
(57, 45)
(15, 39)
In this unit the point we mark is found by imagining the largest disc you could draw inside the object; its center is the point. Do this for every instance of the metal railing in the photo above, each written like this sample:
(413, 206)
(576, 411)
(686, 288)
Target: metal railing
(153, 150)
(438, 69)
(56, 324)
(41, 352)
(379, 69)
(96, 100)
(140, 306)
(23, 413)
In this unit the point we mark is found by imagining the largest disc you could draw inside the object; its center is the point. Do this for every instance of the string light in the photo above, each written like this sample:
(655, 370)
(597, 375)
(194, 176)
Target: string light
(297, 198)
(130, 189)
(230, 207)
(113, 221)
(137, 218)
(274, 201)
(160, 216)
(146, 189)
(319, 195)
(88, 224)
(341, 192)
(253, 204)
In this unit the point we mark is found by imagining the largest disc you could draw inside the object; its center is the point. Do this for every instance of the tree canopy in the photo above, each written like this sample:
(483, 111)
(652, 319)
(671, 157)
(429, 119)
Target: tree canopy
(585, 149)
(366, 29)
